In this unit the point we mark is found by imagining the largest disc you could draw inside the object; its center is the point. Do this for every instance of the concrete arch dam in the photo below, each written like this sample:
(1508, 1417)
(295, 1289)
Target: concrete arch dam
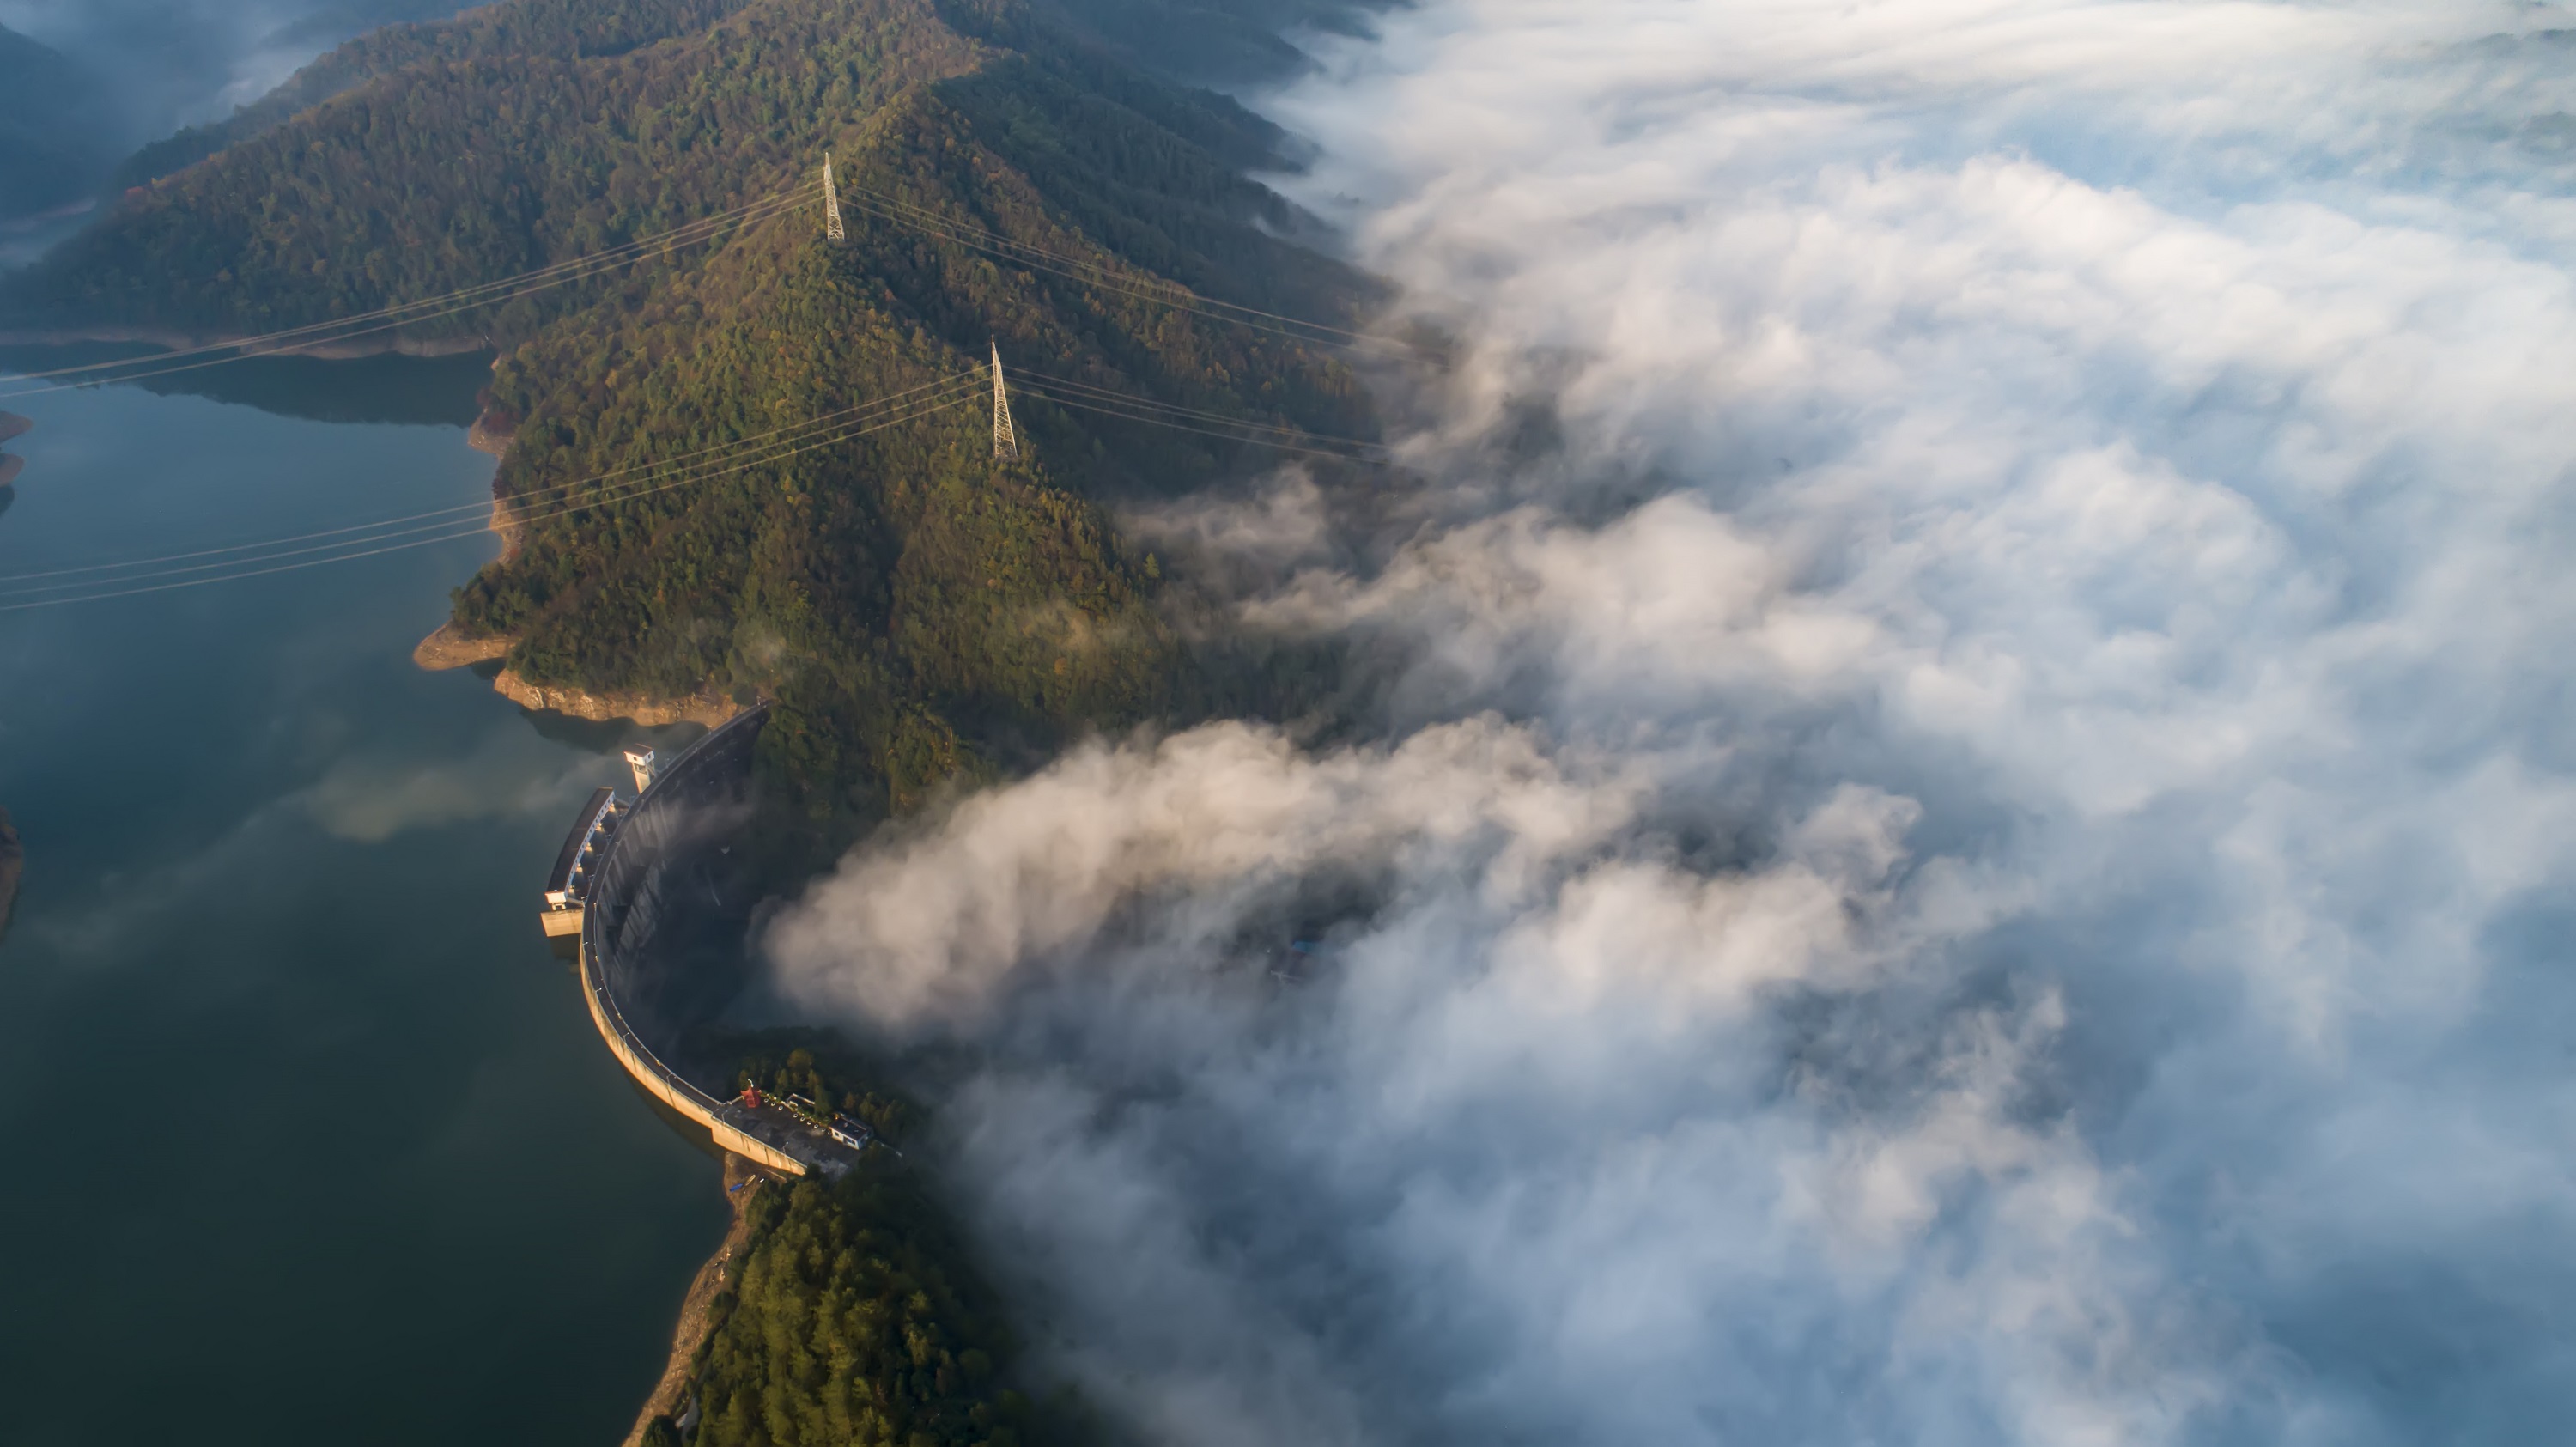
(660, 950)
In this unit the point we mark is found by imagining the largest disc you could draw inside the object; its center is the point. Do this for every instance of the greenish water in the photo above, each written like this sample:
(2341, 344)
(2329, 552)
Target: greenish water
(307, 1139)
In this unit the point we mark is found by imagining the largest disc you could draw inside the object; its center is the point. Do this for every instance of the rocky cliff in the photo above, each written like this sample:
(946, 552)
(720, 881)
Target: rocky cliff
(451, 647)
(708, 709)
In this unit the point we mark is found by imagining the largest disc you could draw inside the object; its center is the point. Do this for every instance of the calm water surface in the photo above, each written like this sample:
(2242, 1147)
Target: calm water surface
(304, 1137)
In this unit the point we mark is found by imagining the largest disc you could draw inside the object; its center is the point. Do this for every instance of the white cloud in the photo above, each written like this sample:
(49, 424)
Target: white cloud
(2019, 899)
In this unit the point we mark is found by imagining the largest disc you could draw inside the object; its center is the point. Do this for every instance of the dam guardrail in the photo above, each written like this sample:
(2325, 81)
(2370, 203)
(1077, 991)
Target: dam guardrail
(684, 807)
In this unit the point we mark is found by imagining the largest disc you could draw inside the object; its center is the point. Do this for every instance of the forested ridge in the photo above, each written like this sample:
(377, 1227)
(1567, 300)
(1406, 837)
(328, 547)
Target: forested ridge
(568, 29)
(916, 609)
(855, 1316)
(854, 1320)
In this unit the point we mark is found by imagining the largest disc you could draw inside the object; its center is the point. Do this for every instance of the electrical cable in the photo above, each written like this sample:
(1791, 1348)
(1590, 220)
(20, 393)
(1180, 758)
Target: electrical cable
(296, 347)
(467, 532)
(520, 511)
(865, 199)
(984, 236)
(297, 339)
(1187, 302)
(1061, 391)
(926, 408)
(791, 439)
(674, 236)
(382, 531)
(975, 375)
(1041, 391)
(885, 205)
(1042, 383)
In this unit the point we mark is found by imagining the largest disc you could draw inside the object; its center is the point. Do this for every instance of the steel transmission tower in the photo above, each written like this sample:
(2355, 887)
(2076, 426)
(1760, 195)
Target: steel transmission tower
(1006, 440)
(831, 202)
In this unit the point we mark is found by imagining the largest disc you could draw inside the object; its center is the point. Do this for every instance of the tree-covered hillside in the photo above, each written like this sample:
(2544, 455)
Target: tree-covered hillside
(567, 29)
(917, 608)
(855, 1322)
(765, 466)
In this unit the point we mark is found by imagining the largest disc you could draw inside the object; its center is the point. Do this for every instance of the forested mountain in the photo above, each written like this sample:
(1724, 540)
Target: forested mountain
(572, 30)
(686, 515)
(50, 128)
(858, 1316)
(915, 607)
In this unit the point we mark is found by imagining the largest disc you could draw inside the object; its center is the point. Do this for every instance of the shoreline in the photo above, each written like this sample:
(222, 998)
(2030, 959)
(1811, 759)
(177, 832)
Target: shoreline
(697, 1309)
(326, 350)
(651, 712)
(448, 649)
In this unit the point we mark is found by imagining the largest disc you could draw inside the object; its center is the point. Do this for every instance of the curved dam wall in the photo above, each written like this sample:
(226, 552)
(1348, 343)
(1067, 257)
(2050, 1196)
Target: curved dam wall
(649, 966)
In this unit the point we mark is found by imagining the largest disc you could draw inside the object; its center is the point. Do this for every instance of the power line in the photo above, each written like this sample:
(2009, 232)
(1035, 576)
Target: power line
(562, 501)
(1074, 269)
(733, 456)
(1042, 383)
(295, 339)
(485, 507)
(970, 388)
(880, 204)
(990, 237)
(1382, 459)
(467, 532)
(675, 236)
(388, 529)
(1152, 421)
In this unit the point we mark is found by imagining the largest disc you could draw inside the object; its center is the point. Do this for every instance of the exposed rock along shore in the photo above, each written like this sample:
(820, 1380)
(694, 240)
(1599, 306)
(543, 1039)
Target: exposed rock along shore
(448, 648)
(697, 1310)
(327, 350)
(708, 709)
(491, 434)
(10, 466)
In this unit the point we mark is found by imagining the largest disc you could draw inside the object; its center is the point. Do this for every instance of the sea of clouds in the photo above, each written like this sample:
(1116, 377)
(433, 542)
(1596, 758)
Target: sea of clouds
(1965, 830)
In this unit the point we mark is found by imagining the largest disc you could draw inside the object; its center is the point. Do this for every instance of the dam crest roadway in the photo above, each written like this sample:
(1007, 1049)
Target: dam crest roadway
(643, 971)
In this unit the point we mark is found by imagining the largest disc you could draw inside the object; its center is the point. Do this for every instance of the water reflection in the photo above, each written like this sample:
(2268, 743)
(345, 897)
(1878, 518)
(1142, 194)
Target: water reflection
(417, 391)
(279, 863)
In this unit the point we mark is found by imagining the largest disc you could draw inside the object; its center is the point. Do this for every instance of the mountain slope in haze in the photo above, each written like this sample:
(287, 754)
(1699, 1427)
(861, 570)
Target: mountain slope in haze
(569, 29)
(50, 128)
(916, 608)
(1217, 42)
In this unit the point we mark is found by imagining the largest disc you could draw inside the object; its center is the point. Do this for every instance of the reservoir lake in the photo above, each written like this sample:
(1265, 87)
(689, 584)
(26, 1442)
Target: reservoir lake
(305, 1137)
